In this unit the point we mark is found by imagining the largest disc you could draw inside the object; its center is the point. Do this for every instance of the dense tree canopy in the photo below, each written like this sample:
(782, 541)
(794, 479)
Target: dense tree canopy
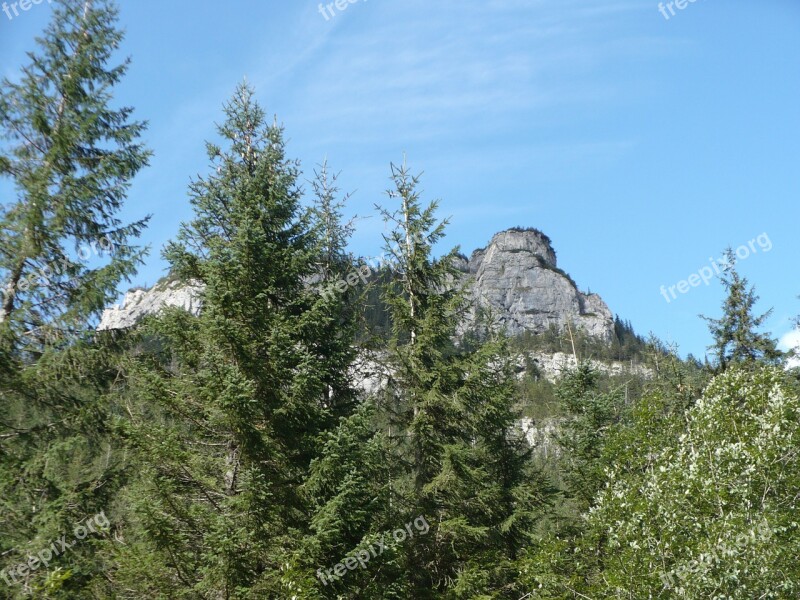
(319, 429)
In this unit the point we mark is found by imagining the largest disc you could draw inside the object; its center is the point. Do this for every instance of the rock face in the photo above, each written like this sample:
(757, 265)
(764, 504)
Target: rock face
(541, 436)
(140, 303)
(553, 367)
(517, 278)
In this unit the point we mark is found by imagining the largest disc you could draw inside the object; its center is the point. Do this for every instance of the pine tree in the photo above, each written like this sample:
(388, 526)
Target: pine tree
(233, 404)
(349, 492)
(333, 232)
(592, 413)
(737, 340)
(457, 458)
(334, 264)
(70, 157)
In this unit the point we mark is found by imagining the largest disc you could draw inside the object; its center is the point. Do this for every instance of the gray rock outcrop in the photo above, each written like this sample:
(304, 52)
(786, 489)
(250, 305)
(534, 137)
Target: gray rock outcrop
(140, 302)
(541, 435)
(516, 278)
(553, 367)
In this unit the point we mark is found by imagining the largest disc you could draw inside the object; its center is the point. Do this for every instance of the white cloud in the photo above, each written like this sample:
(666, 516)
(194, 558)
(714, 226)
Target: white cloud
(789, 341)
(456, 68)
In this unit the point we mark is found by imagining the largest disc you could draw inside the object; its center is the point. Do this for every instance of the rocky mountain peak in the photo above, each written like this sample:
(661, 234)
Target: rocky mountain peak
(515, 278)
(518, 240)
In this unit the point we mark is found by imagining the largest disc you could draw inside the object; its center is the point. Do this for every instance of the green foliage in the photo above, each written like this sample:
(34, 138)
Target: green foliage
(624, 346)
(71, 158)
(332, 232)
(457, 456)
(229, 412)
(737, 340)
(713, 514)
(592, 415)
(60, 463)
(696, 504)
(234, 459)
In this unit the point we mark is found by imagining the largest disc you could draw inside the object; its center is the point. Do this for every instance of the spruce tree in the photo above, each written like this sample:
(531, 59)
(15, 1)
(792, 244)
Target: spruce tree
(349, 493)
(334, 264)
(591, 415)
(737, 340)
(232, 405)
(332, 230)
(70, 156)
(458, 459)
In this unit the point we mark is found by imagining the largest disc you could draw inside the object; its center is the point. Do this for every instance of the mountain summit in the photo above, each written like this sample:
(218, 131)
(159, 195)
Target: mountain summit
(515, 279)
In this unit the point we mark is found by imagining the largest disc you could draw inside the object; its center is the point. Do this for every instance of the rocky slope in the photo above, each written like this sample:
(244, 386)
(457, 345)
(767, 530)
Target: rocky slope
(516, 277)
(139, 303)
(553, 367)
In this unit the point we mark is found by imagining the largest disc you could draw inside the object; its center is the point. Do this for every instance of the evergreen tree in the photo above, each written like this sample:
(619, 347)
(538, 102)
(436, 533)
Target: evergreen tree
(70, 158)
(592, 415)
(349, 492)
(737, 340)
(334, 264)
(232, 407)
(437, 440)
(457, 458)
(333, 232)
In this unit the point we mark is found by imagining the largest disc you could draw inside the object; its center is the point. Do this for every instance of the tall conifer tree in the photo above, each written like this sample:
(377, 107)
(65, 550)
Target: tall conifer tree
(737, 339)
(71, 157)
(458, 458)
(241, 393)
(69, 154)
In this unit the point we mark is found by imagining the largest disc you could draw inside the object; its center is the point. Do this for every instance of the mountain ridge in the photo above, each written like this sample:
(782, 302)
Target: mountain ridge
(515, 279)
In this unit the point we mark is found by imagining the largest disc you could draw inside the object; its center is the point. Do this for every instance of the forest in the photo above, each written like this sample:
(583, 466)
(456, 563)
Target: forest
(233, 454)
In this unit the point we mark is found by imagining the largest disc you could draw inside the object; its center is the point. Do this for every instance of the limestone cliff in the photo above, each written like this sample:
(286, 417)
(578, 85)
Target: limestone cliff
(140, 303)
(516, 277)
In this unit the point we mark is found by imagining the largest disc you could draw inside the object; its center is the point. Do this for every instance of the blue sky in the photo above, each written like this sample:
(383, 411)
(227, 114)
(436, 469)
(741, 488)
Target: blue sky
(642, 146)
